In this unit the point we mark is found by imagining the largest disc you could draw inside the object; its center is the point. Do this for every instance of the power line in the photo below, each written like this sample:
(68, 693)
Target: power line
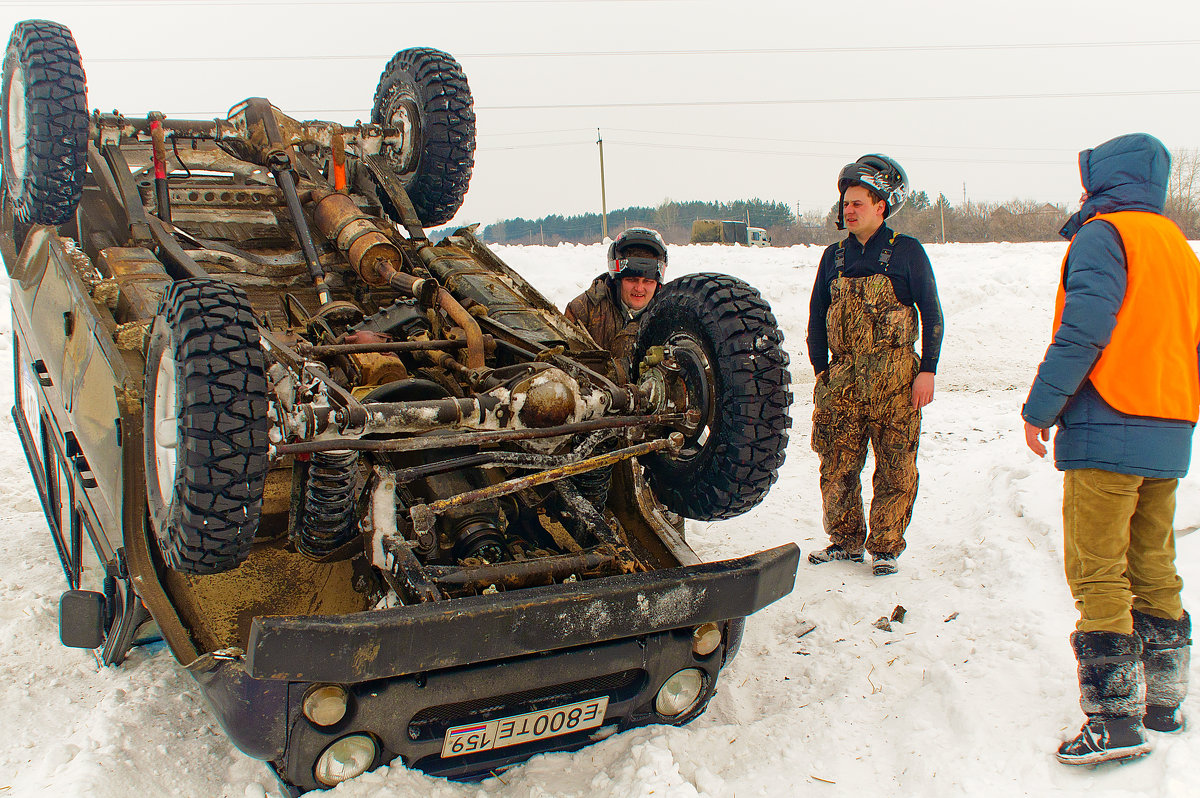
(793, 153)
(661, 53)
(770, 102)
(842, 100)
(839, 143)
(291, 3)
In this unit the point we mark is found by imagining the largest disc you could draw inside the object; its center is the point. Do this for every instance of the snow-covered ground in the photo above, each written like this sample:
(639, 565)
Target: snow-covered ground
(968, 696)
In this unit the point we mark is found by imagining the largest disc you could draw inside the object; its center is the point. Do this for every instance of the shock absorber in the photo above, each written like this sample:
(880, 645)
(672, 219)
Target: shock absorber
(594, 485)
(329, 520)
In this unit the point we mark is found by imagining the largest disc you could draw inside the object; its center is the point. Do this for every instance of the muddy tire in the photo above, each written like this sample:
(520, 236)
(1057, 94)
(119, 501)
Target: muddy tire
(425, 90)
(43, 123)
(730, 350)
(206, 427)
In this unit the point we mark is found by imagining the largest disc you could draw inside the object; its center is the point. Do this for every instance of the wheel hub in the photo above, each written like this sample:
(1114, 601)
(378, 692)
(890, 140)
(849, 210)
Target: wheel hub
(17, 131)
(698, 380)
(166, 426)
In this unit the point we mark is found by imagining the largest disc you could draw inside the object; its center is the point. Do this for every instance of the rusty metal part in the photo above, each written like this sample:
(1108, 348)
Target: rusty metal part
(329, 350)
(424, 414)
(338, 159)
(424, 515)
(264, 133)
(619, 398)
(550, 398)
(476, 438)
(363, 140)
(592, 520)
(404, 574)
(510, 459)
(281, 167)
(386, 179)
(162, 192)
(460, 316)
(525, 573)
(372, 254)
(381, 418)
(127, 198)
(376, 368)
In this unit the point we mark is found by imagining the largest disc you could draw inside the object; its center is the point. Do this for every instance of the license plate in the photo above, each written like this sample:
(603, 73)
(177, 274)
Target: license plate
(503, 732)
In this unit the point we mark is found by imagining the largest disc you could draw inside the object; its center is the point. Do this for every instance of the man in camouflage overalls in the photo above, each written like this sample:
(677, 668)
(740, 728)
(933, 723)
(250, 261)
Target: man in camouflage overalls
(866, 297)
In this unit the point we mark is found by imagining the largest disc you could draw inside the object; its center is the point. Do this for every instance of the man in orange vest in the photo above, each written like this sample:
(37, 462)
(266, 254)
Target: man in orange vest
(1121, 381)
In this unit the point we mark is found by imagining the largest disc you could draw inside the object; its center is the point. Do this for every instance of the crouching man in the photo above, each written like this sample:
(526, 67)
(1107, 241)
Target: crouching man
(611, 307)
(1121, 381)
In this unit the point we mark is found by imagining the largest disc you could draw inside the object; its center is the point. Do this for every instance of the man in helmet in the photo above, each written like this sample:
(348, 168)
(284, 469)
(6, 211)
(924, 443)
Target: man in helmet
(610, 308)
(865, 302)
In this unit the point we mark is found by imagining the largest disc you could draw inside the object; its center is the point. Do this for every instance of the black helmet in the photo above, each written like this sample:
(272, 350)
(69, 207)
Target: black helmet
(652, 267)
(881, 175)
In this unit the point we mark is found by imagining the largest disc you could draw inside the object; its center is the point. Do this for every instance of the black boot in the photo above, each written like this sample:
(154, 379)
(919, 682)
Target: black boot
(1166, 653)
(1113, 695)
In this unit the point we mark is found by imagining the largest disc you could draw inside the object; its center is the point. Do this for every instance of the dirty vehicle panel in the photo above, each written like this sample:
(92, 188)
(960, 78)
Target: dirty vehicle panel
(375, 492)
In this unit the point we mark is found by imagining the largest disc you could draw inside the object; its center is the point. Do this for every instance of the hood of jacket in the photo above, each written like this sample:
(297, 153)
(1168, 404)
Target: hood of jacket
(1128, 173)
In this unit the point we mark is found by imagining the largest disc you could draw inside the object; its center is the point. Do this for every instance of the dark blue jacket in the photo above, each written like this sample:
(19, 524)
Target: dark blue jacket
(1128, 173)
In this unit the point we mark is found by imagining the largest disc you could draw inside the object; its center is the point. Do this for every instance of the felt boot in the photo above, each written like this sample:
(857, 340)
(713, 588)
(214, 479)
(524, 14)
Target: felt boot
(1112, 692)
(1166, 654)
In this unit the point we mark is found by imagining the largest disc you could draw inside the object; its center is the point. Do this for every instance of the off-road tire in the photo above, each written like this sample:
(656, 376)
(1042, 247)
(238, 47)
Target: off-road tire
(207, 522)
(45, 162)
(731, 461)
(434, 82)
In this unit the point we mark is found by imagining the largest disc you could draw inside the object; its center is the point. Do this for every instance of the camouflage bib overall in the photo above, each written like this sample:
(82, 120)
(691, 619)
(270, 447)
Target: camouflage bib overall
(866, 395)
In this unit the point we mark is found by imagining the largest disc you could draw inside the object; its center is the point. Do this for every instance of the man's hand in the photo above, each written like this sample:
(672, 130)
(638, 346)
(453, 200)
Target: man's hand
(922, 392)
(1034, 437)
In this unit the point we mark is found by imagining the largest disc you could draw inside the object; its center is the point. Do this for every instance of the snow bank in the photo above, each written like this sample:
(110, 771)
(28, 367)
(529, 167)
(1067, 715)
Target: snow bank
(969, 695)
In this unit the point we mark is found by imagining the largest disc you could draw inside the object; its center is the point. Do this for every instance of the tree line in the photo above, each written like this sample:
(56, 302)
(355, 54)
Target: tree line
(930, 221)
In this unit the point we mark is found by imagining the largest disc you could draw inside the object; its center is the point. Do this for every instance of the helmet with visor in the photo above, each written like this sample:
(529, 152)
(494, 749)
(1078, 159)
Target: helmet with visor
(879, 174)
(637, 252)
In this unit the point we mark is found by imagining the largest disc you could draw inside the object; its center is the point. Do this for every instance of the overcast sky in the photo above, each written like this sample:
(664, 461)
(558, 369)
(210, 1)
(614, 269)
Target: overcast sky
(695, 99)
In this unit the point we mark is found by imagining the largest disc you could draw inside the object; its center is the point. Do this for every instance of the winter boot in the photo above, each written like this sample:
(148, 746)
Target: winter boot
(834, 552)
(1112, 692)
(883, 564)
(1166, 654)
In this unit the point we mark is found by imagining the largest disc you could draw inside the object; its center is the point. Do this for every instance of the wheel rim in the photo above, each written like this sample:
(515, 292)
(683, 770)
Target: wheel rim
(166, 426)
(17, 129)
(700, 381)
(402, 113)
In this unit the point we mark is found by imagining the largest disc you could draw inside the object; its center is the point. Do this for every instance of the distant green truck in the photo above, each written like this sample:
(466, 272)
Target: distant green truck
(713, 231)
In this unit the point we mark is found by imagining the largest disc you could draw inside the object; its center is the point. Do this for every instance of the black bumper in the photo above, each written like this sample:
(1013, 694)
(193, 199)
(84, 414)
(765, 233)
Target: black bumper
(413, 672)
(423, 637)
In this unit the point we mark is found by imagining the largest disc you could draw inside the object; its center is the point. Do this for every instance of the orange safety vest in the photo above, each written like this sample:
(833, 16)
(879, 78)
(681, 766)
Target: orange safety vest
(1149, 367)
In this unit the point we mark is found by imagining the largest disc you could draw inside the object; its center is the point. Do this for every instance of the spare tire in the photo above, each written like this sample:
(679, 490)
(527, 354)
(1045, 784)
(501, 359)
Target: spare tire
(206, 426)
(43, 122)
(425, 92)
(725, 340)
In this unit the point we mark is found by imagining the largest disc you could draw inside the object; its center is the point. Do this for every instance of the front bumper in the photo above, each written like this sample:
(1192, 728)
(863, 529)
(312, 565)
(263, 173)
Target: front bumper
(413, 672)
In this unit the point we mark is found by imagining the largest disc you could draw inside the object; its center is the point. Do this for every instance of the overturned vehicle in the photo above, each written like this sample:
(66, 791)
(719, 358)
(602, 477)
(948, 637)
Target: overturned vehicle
(376, 493)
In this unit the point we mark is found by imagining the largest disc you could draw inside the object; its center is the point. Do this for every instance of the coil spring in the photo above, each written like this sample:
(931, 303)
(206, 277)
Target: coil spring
(594, 485)
(329, 517)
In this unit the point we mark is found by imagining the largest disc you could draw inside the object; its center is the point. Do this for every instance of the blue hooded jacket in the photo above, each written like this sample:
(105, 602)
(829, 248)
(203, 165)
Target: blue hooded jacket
(1128, 173)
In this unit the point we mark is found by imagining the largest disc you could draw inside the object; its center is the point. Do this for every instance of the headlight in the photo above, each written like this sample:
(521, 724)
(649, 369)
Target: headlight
(705, 639)
(325, 705)
(679, 693)
(345, 759)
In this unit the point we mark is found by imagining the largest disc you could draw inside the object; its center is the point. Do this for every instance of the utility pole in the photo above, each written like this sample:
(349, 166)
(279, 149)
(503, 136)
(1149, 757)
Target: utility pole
(942, 213)
(603, 200)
